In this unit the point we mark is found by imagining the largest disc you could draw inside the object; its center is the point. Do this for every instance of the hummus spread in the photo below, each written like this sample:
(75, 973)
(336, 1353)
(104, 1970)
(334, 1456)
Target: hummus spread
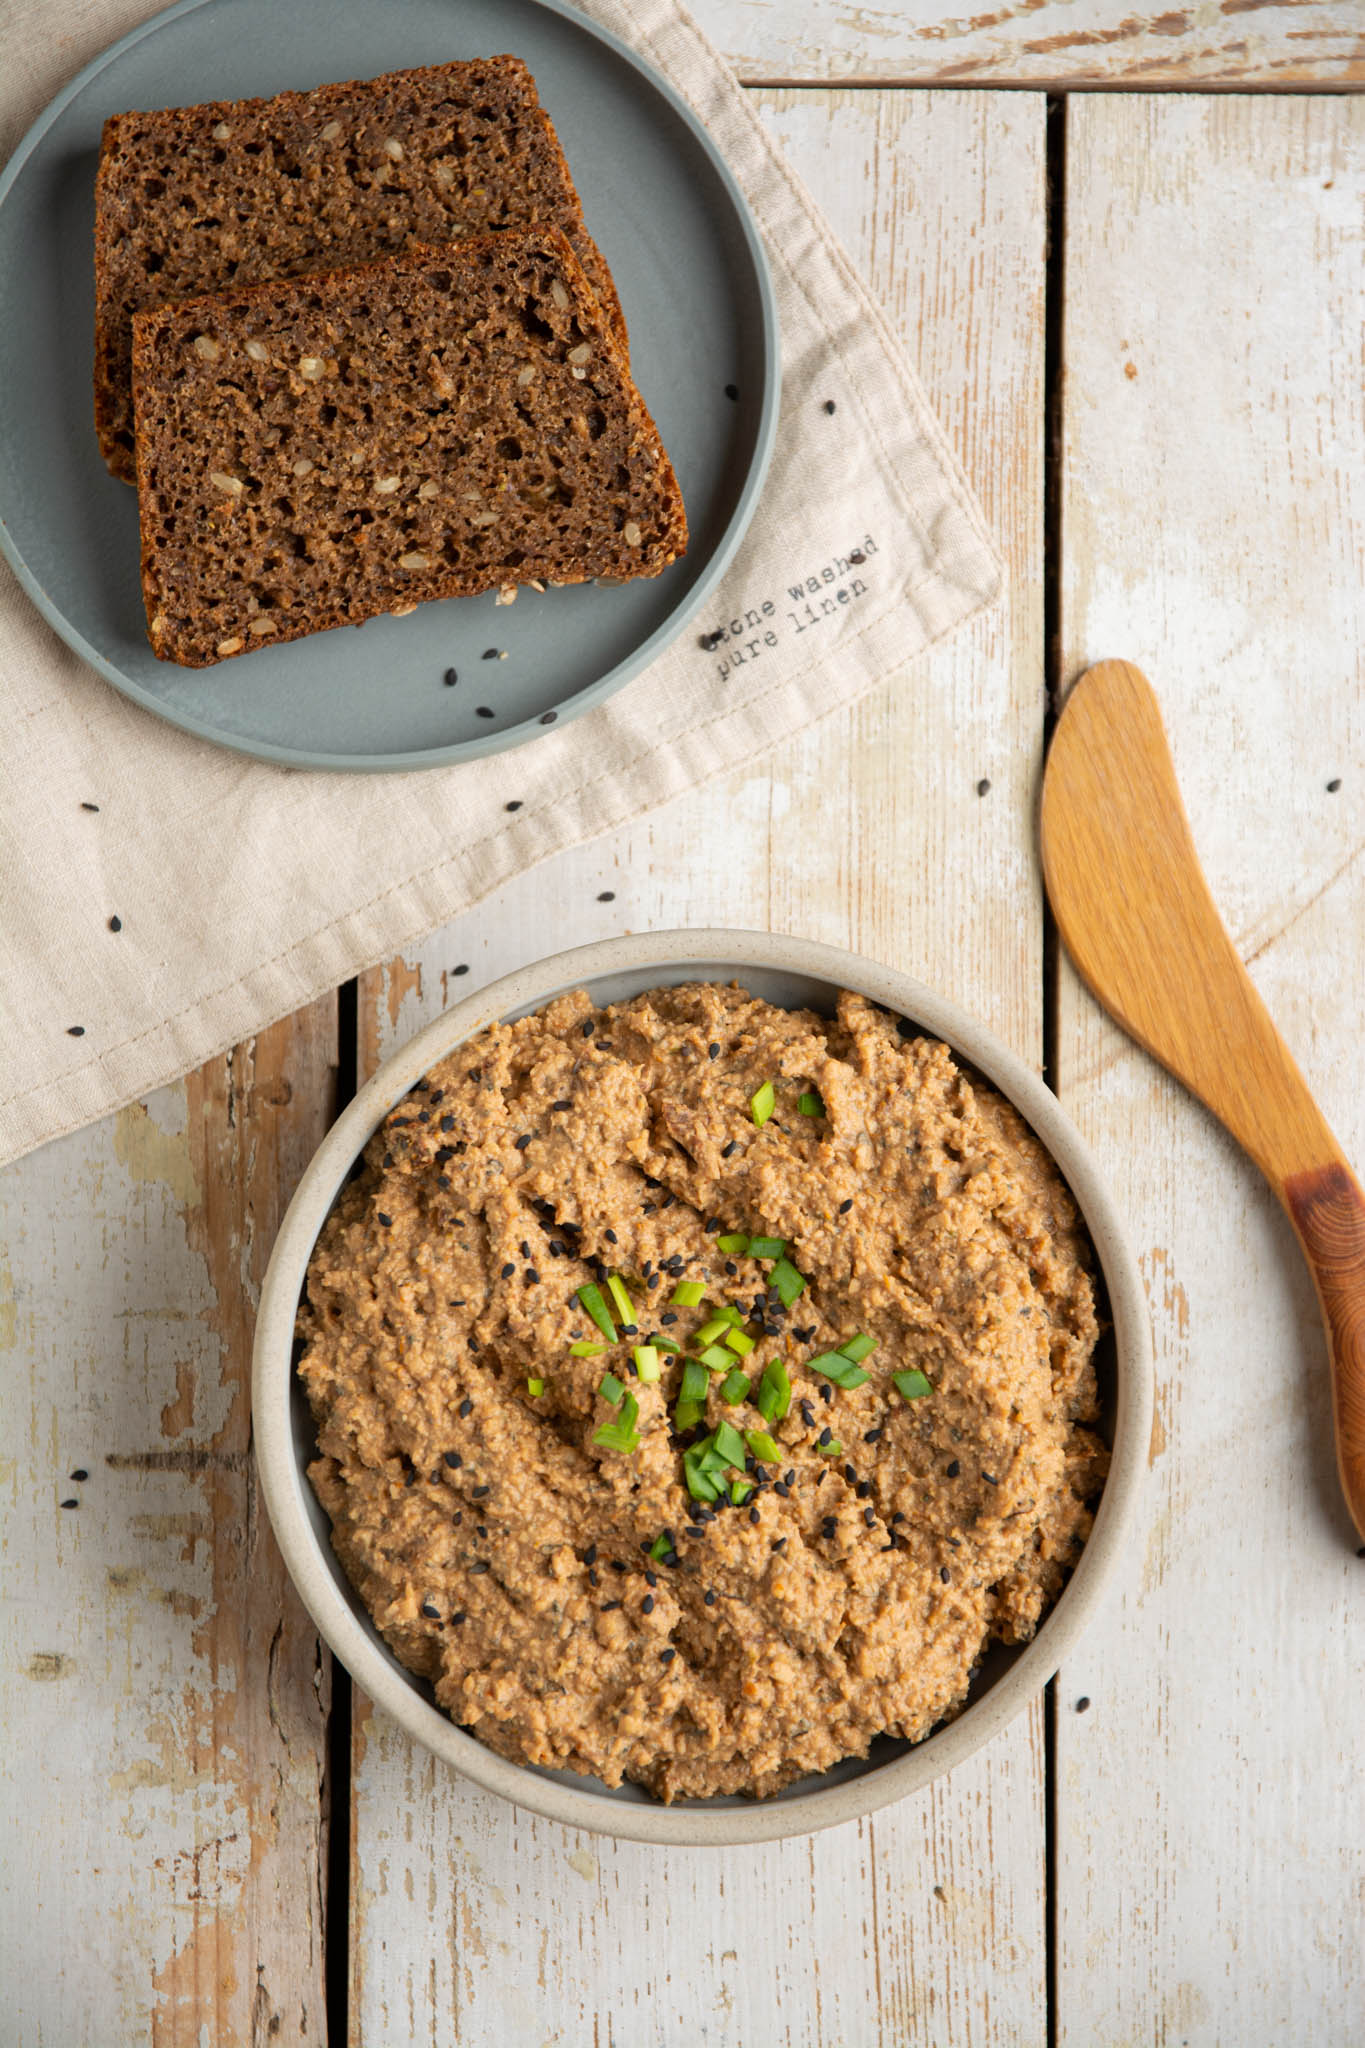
(711, 1577)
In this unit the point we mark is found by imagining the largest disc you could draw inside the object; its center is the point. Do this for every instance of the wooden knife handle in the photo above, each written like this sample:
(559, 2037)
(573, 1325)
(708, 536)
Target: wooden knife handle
(1327, 1208)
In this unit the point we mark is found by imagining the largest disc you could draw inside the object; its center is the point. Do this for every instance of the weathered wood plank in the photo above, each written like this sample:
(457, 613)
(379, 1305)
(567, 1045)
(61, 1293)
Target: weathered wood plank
(1214, 517)
(471, 1921)
(162, 1693)
(1052, 44)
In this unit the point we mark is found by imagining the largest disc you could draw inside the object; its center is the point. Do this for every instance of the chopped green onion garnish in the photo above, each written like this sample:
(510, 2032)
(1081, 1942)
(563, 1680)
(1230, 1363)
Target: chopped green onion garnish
(788, 1282)
(591, 1300)
(767, 1247)
(717, 1358)
(709, 1332)
(535, 1388)
(912, 1384)
(691, 1402)
(620, 1435)
(738, 1341)
(733, 1241)
(730, 1445)
(660, 1548)
(762, 1446)
(734, 1388)
(687, 1294)
(610, 1388)
(762, 1103)
(858, 1347)
(774, 1391)
(584, 1349)
(700, 1484)
(625, 1307)
(830, 1450)
(665, 1344)
(810, 1104)
(647, 1364)
(731, 1315)
(739, 1492)
(832, 1365)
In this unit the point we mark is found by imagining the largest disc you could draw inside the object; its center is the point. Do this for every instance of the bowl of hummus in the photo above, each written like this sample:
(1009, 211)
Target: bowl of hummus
(700, 1387)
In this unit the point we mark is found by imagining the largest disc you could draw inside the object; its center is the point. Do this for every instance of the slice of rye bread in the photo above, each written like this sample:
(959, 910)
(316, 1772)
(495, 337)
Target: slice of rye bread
(202, 199)
(317, 451)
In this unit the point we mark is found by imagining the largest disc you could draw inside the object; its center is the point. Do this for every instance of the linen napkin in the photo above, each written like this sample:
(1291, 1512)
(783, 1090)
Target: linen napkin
(258, 888)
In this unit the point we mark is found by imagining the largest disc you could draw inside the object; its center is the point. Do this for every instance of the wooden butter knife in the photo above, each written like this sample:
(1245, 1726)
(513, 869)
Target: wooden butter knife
(1137, 918)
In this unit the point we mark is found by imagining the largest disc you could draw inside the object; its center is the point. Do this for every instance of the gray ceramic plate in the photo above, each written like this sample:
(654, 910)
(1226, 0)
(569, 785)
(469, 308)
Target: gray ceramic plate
(694, 283)
(793, 973)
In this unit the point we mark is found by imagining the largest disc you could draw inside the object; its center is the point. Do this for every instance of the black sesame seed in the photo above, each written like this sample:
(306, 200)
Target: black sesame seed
(731, 1268)
(450, 678)
(826, 1392)
(870, 1517)
(431, 1610)
(872, 1436)
(954, 1467)
(753, 1515)
(826, 1436)
(651, 1578)
(480, 1492)
(479, 1566)
(611, 1237)
(844, 1207)
(531, 1277)
(456, 1619)
(466, 1406)
(508, 1270)
(548, 717)
(483, 711)
(899, 1516)
(463, 968)
(647, 1604)
(983, 787)
(75, 1030)
(515, 804)
(945, 1575)
(79, 1474)
(387, 1221)
(708, 1599)
(604, 1045)
(89, 807)
(991, 1480)
(713, 1051)
(863, 1488)
(1083, 1702)
(1334, 785)
(522, 1142)
(730, 1150)
(606, 895)
(489, 654)
(782, 1491)
(850, 1475)
(857, 558)
(70, 1503)
(732, 391)
(667, 1656)
(453, 1459)
(116, 924)
(829, 405)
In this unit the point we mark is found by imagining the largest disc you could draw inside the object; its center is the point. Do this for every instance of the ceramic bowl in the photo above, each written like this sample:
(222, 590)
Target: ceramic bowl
(792, 973)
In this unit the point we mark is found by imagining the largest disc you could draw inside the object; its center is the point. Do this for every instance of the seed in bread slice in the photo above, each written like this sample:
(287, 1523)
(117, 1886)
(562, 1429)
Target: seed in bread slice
(201, 199)
(317, 451)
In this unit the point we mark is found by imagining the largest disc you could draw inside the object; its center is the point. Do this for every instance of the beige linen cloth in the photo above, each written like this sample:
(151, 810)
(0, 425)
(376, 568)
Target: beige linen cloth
(248, 890)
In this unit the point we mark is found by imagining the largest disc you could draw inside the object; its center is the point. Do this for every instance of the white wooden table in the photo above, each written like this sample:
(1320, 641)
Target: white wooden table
(1140, 315)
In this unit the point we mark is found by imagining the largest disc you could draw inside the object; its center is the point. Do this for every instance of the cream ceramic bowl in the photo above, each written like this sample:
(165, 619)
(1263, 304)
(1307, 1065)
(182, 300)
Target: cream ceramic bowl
(793, 973)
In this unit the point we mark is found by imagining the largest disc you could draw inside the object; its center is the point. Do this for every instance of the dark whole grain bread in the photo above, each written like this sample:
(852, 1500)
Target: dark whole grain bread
(201, 199)
(317, 451)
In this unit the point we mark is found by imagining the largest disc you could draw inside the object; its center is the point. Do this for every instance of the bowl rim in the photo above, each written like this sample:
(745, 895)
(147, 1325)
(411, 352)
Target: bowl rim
(283, 1481)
